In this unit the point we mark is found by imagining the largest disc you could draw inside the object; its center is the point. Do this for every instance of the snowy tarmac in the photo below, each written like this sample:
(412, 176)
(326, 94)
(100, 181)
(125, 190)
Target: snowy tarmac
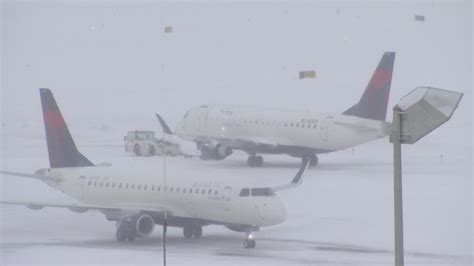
(341, 214)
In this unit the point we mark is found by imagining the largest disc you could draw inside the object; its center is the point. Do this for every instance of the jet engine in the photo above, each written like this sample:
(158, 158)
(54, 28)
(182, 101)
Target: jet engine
(212, 151)
(139, 225)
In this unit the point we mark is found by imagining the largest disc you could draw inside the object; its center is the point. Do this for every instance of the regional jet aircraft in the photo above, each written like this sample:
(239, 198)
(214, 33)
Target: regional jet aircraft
(219, 129)
(137, 200)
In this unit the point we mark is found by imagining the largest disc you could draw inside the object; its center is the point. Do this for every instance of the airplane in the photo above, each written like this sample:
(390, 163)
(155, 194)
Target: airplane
(137, 200)
(220, 129)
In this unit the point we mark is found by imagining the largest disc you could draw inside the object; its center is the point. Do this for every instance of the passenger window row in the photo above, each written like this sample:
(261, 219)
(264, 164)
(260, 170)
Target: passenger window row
(273, 123)
(157, 188)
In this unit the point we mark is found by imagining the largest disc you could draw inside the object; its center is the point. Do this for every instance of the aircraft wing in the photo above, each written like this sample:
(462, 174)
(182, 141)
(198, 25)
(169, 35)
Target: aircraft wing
(258, 141)
(79, 207)
(35, 176)
(247, 143)
(358, 127)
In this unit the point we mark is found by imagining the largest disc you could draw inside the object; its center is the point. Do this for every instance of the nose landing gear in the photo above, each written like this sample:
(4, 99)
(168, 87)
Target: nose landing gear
(249, 241)
(125, 232)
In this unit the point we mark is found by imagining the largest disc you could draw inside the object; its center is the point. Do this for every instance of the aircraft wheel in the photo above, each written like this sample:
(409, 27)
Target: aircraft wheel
(187, 232)
(119, 235)
(251, 161)
(151, 150)
(255, 161)
(252, 243)
(136, 150)
(249, 243)
(197, 232)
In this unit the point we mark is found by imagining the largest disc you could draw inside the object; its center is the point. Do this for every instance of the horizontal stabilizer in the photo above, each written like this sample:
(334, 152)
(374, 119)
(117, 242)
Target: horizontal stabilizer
(165, 126)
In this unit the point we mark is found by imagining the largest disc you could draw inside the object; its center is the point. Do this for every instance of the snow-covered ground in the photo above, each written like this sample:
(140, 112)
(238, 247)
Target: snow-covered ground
(111, 66)
(342, 214)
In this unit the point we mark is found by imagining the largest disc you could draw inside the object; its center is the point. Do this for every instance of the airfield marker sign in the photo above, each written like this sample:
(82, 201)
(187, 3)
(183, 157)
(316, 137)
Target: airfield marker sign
(417, 114)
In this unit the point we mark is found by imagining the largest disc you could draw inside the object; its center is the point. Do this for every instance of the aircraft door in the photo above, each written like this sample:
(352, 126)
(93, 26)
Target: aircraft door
(197, 120)
(191, 208)
(259, 204)
(200, 118)
(323, 128)
(226, 201)
(81, 186)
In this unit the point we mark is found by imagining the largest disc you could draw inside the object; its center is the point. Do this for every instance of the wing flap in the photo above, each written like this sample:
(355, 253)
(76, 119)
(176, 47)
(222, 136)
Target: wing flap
(86, 207)
(244, 142)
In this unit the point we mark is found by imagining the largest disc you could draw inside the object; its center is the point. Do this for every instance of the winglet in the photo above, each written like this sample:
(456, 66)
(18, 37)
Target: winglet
(165, 126)
(296, 181)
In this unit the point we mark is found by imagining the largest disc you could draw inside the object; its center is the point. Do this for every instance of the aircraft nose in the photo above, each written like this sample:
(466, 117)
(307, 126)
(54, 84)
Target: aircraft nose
(281, 212)
(277, 213)
(179, 128)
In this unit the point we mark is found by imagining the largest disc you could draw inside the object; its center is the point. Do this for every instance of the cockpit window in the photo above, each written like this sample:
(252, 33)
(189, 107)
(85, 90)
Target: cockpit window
(245, 192)
(262, 192)
(257, 192)
(141, 135)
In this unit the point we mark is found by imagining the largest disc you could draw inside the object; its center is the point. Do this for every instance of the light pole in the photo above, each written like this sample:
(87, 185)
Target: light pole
(165, 225)
(165, 216)
(417, 114)
(166, 130)
(397, 184)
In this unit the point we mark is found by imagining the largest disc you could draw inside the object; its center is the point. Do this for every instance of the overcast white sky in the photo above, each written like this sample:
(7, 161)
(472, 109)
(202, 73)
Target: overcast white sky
(111, 62)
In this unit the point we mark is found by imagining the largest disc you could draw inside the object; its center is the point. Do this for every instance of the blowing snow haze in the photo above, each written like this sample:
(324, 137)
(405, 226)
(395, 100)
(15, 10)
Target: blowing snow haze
(117, 58)
(113, 65)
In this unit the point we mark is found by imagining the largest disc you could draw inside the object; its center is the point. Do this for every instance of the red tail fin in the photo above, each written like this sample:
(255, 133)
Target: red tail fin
(61, 148)
(374, 101)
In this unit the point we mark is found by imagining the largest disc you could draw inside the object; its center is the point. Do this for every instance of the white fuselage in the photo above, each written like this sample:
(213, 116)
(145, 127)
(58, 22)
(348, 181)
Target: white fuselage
(237, 126)
(209, 200)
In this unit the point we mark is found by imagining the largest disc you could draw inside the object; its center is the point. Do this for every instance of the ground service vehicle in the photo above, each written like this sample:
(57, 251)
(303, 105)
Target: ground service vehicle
(144, 143)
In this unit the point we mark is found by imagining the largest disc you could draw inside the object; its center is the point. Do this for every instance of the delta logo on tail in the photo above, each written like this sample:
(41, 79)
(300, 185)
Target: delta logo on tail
(61, 148)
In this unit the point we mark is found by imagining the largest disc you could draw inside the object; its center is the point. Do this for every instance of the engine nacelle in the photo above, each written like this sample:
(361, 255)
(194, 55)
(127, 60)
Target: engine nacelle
(139, 225)
(214, 151)
(144, 225)
(222, 151)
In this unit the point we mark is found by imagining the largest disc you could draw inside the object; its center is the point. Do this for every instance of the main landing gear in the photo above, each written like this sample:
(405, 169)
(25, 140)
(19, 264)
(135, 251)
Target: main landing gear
(255, 161)
(192, 231)
(313, 160)
(249, 241)
(122, 234)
